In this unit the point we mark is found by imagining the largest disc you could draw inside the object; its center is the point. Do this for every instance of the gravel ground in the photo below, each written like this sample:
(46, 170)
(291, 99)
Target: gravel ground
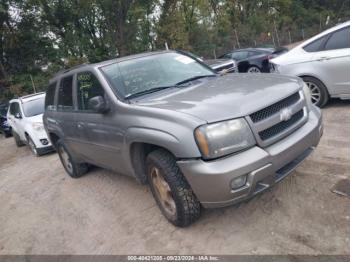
(43, 211)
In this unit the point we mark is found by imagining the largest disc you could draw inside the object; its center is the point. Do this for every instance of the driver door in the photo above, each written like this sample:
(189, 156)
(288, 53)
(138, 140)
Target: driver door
(100, 139)
(15, 119)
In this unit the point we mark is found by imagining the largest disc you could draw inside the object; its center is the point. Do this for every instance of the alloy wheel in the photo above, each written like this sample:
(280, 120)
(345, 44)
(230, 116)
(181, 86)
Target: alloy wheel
(32, 147)
(315, 92)
(254, 70)
(66, 159)
(163, 192)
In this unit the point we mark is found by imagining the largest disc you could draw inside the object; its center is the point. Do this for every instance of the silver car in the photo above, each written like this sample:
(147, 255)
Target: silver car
(323, 62)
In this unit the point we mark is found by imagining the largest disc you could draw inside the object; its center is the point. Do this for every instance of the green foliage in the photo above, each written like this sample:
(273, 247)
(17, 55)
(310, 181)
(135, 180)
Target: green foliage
(40, 37)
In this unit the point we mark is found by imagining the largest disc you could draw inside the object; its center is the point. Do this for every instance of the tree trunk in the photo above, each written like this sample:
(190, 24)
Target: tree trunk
(121, 11)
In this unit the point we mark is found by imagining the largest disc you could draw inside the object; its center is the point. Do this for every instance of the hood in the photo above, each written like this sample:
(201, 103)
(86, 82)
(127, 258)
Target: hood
(226, 97)
(37, 118)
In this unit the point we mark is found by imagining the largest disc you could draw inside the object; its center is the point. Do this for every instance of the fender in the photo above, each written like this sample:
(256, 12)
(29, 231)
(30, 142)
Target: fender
(183, 149)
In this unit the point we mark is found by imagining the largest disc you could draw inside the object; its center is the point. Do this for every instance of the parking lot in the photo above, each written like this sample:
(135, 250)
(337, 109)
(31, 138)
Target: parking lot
(43, 211)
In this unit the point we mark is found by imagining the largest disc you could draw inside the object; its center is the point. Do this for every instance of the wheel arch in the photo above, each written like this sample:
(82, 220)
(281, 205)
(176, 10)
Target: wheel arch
(138, 153)
(53, 138)
(302, 76)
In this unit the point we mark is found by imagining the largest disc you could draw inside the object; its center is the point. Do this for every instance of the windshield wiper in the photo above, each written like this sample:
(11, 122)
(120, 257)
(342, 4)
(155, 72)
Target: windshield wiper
(156, 89)
(194, 78)
(148, 91)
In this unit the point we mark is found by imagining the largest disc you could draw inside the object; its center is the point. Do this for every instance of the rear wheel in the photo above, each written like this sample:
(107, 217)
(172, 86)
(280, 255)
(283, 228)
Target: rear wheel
(319, 93)
(74, 169)
(170, 189)
(254, 70)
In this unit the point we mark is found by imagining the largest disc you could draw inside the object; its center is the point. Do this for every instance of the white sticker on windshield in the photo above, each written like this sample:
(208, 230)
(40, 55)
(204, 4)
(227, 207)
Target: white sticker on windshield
(184, 59)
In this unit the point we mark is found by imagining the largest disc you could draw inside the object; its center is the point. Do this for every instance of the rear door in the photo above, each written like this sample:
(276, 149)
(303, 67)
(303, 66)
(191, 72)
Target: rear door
(333, 61)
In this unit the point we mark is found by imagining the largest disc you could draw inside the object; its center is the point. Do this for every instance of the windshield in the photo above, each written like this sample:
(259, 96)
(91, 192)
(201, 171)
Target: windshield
(152, 72)
(34, 107)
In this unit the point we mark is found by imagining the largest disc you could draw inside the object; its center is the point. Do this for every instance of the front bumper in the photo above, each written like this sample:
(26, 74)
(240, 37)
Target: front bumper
(45, 150)
(211, 180)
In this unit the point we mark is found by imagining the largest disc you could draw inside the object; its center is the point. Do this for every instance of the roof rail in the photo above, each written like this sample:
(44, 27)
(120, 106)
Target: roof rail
(69, 69)
(27, 96)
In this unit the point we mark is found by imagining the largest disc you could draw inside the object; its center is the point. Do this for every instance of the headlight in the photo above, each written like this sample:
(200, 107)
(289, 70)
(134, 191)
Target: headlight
(220, 139)
(307, 94)
(38, 126)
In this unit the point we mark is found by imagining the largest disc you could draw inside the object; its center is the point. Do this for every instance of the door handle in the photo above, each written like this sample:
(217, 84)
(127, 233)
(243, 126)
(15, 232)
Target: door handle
(323, 58)
(52, 121)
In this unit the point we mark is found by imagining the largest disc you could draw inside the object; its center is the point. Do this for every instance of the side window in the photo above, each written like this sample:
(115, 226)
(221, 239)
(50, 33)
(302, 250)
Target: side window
(240, 55)
(315, 46)
(227, 56)
(50, 97)
(14, 108)
(253, 53)
(88, 87)
(339, 40)
(65, 97)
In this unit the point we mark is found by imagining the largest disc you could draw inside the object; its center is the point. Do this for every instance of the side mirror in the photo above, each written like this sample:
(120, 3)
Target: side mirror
(98, 104)
(18, 116)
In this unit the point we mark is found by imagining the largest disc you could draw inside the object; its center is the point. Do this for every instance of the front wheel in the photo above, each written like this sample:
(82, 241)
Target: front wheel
(170, 189)
(17, 139)
(32, 146)
(74, 169)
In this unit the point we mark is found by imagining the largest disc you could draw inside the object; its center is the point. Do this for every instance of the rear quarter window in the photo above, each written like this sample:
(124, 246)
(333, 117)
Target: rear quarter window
(316, 45)
(50, 97)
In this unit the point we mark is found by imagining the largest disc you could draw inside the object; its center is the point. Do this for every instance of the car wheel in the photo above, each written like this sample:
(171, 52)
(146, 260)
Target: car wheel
(18, 140)
(318, 91)
(32, 146)
(170, 189)
(254, 70)
(74, 169)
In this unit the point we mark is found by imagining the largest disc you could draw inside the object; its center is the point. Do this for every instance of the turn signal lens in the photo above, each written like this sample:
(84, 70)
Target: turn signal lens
(202, 142)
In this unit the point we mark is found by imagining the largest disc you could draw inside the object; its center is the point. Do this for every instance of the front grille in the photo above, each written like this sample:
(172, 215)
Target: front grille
(281, 127)
(275, 108)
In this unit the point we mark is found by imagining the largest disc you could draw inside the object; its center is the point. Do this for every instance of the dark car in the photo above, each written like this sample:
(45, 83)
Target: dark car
(254, 60)
(5, 128)
(220, 66)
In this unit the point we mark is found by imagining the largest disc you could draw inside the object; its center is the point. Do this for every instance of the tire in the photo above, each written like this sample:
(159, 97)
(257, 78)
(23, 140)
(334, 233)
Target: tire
(73, 169)
(176, 199)
(319, 92)
(32, 146)
(254, 70)
(17, 139)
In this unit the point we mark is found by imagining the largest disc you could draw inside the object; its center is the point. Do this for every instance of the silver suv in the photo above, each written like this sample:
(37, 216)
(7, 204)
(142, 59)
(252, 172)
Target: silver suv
(197, 138)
